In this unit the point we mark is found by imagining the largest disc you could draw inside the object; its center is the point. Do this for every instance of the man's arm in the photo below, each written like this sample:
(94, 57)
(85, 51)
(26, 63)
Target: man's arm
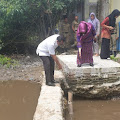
(51, 50)
(57, 61)
(73, 26)
(117, 30)
(98, 28)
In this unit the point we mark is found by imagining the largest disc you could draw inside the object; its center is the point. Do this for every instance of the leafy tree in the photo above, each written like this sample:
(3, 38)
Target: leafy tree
(24, 23)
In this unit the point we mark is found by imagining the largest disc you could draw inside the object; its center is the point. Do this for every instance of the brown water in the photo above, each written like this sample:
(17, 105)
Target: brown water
(96, 110)
(18, 100)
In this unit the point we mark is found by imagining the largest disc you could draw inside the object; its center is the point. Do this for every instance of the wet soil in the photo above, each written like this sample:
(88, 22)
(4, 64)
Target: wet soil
(29, 68)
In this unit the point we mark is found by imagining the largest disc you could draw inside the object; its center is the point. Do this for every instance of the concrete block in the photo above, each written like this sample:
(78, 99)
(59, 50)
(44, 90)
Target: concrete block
(50, 106)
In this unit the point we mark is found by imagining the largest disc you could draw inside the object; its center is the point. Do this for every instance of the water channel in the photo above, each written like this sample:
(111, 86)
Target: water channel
(96, 109)
(18, 100)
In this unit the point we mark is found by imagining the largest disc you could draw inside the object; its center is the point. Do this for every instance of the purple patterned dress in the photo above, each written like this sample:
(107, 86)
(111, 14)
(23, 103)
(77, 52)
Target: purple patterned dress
(85, 42)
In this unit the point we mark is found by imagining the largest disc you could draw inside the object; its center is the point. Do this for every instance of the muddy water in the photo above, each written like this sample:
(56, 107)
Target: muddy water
(18, 100)
(96, 110)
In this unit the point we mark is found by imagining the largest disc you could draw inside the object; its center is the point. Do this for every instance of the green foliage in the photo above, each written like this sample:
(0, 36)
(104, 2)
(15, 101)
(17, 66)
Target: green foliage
(114, 58)
(8, 62)
(1, 44)
(24, 23)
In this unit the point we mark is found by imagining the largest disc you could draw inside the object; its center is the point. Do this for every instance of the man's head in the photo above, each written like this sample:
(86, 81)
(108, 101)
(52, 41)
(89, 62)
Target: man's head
(76, 18)
(60, 40)
(56, 31)
(65, 18)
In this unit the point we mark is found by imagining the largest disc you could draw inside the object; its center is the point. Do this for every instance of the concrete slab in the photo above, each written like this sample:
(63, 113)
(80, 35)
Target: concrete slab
(49, 104)
(104, 66)
(104, 71)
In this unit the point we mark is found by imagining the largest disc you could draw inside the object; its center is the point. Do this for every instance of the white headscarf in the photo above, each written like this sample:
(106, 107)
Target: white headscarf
(95, 23)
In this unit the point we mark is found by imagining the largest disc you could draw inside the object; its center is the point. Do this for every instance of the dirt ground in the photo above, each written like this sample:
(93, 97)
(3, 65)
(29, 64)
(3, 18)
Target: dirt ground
(29, 68)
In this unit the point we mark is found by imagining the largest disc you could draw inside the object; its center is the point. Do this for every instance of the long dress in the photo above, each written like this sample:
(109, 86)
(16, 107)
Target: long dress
(85, 42)
(105, 35)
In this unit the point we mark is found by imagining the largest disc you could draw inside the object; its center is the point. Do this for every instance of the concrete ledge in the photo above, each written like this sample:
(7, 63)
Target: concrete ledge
(104, 91)
(85, 80)
(69, 63)
(50, 106)
(104, 71)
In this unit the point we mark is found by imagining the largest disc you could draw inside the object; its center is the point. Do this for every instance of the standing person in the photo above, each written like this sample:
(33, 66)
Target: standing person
(65, 32)
(113, 40)
(85, 36)
(46, 51)
(108, 25)
(75, 25)
(96, 24)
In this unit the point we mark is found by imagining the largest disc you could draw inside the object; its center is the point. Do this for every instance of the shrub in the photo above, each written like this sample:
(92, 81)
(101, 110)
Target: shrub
(8, 62)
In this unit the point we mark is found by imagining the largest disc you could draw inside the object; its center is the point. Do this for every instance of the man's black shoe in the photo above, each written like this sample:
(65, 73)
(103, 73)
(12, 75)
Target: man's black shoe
(50, 84)
(53, 81)
(91, 64)
(79, 65)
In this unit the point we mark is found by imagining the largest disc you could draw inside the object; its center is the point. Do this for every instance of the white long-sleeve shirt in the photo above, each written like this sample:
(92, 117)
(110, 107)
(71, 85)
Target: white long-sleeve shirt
(47, 47)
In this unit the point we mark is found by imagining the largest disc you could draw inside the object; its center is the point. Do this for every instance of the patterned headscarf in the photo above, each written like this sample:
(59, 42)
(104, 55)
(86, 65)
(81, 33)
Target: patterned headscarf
(86, 28)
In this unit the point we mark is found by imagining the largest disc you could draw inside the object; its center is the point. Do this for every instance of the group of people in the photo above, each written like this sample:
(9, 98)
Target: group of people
(86, 36)
(65, 30)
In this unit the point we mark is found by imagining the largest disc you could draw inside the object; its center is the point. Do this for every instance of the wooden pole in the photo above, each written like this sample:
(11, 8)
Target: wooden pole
(70, 104)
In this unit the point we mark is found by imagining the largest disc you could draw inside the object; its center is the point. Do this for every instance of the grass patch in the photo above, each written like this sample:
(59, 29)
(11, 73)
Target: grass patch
(8, 62)
(114, 58)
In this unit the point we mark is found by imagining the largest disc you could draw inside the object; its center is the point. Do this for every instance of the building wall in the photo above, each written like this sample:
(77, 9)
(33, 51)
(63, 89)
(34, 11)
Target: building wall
(86, 8)
(104, 9)
(90, 6)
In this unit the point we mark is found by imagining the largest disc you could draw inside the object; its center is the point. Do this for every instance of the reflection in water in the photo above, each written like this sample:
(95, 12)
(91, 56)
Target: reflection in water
(18, 100)
(96, 110)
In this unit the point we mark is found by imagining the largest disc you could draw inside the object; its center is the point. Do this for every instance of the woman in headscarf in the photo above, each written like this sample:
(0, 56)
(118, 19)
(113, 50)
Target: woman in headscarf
(108, 25)
(96, 25)
(85, 35)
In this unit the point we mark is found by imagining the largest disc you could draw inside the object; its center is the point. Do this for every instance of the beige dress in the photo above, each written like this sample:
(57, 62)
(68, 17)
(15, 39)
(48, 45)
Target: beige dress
(75, 25)
(65, 31)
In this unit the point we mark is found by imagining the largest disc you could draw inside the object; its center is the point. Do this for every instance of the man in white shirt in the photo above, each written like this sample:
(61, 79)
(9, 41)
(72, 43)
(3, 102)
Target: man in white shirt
(46, 51)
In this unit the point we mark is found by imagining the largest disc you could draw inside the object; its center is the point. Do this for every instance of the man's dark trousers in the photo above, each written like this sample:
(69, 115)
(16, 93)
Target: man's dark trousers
(48, 64)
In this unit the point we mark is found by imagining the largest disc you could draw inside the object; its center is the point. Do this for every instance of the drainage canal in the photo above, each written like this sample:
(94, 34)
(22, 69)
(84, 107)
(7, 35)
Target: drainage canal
(18, 100)
(95, 109)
